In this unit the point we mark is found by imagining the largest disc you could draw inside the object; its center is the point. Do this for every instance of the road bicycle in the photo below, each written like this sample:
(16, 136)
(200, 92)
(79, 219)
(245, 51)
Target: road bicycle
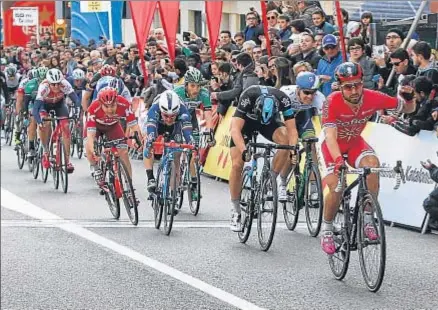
(165, 198)
(22, 148)
(351, 221)
(118, 182)
(57, 152)
(257, 192)
(185, 177)
(301, 193)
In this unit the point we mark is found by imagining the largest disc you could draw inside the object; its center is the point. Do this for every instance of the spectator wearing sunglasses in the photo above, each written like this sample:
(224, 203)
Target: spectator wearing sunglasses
(272, 17)
(327, 65)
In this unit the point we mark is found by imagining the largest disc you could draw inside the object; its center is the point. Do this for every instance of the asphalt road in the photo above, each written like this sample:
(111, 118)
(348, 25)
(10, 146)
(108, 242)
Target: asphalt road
(64, 251)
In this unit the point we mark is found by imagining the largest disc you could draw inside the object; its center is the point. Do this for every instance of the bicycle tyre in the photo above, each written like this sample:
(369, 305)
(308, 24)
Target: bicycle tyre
(129, 200)
(79, 143)
(36, 162)
(311, 227)
(194, 207)
(265, 243)
(170, 202)
(53, 165)
(44, 172)
(21, 153)
(63, 172)
(157, 202)
(292, 214)
(73, 138)
(342, 243)
(110, 195)
(246, 205)
(372, 285)
(8, 129)
(183, 180)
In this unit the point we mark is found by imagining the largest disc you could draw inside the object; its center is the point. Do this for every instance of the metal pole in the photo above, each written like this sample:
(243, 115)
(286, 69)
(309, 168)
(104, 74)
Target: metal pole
(408, 36)
(373, 35)
(110, 22)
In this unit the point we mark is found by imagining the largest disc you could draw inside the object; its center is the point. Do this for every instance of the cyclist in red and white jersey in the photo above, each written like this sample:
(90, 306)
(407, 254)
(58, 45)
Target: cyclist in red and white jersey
(103, 118)
(344, 117)
(51, 97)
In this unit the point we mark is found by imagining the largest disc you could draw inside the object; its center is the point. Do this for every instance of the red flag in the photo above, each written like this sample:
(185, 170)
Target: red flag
(169, 13)
(265, 26)
(340, 20)
(213, 11)
(142, 13)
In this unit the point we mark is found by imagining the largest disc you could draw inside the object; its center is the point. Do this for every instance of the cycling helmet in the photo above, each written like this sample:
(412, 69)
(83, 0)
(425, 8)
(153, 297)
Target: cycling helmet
(193, 75)
(42, 72)
(32, 73)
(11, 70)
(307, 80)
(78, 74)
(265, 106)
(107, 70)
(107, 95)
(348, 71)
(54, 76)
(117, 84)
(169, 103)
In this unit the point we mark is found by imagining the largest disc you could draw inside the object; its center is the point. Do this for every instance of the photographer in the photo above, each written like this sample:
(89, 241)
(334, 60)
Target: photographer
(430, 204)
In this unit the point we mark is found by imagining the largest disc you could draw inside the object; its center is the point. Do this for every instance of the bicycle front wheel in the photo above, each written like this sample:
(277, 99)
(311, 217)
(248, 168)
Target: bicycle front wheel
(63, 172)
(44, 172)
(340, 261)
(110, 195)
(371, 242)
(170, 199)
(36, 162)
(246, 205)
(291, 208)
(267, 211)
(128, 193)
(21, 152)
(54, 164)
(313, 200)
(195, 191)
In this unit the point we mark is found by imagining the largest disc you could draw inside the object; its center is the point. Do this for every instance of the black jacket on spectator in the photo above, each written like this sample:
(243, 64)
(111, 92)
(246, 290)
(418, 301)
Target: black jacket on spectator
(431, 73)
(431, 203)
(312, 58)
(392, 89)
(421, 119)
(223, 105)
(242, 81)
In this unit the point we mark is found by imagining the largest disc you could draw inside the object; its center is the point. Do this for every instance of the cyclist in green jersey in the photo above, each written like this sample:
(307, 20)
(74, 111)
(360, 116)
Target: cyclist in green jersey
(196, 97)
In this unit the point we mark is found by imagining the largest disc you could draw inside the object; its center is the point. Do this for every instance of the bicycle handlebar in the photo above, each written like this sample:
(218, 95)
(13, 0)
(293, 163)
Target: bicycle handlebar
(398, 169)
(272, 146)
(115, 142)
(55, 118)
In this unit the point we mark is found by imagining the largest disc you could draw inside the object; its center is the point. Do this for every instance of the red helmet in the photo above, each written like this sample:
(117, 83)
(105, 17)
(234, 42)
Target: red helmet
(107, 95)
(107, 70)
(348, 71)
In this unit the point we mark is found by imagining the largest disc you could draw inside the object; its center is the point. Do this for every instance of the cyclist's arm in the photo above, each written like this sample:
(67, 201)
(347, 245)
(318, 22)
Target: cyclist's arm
(150, 126)
(186, 126)
(330, 129)
(292, 131)
(75, 99)
(206, 103)
(37, 106)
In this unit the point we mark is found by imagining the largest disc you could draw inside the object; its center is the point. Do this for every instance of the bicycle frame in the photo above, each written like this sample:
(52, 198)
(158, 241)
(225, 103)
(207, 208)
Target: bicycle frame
(57, 131)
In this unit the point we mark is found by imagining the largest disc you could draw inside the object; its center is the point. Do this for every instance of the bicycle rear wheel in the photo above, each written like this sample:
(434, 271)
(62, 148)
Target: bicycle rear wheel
(9, 128)
(194, 205)
(36, 161)
(21, 152)
(73, 137)
(79, 143)
(339, 261)
(157, 202)
(183, 180)
(266, 229)
(246, 205)
(110, 195)
(291, 209)
(44, 172)
(63, 172)
(128, 193)
(370, 216)
(313, 206)
(170, 199)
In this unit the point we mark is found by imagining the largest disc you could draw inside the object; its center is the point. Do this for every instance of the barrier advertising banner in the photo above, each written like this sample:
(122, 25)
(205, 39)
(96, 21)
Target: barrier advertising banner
(22, 21)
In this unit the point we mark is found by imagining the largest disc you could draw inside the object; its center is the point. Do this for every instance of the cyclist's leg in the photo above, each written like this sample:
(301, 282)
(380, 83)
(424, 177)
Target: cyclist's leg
(196, 137)
(31, 132)
(362, 155)
(277, 133)
(116, 132)
(43, 132)
(61, 110)
(19, 114)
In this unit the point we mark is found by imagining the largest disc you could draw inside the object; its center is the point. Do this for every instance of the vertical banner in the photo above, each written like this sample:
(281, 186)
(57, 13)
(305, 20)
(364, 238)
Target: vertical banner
(142, 16)
(169, 14)
(213, 10)
(19, 22)
(92, 19)
(265, 25)
(340, 20)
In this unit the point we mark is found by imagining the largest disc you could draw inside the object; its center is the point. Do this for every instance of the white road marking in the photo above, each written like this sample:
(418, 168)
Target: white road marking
(17, 204)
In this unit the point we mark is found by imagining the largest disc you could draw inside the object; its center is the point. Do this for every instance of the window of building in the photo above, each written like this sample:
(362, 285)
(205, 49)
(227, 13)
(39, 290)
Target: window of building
(198, 22)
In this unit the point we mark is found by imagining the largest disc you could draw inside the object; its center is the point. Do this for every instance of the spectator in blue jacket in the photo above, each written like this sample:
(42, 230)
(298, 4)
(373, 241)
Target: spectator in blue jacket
(328, 63)
(320, 25)
(285, 31)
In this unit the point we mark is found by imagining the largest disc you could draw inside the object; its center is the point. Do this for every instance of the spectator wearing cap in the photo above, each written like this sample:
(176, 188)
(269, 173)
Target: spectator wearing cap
(421, 53)
(393, 40)
(252, 30)
(356, 50)
(225, 41)
(308, 52)
(320, 25)
(328, 63)
(285, 31)
(307, 8)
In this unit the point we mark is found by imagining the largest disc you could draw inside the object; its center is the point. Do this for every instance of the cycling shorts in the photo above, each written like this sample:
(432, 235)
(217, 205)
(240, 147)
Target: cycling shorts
(266, 131)
(173, 132)
(355, 150)
(112, 132)
(59, 108)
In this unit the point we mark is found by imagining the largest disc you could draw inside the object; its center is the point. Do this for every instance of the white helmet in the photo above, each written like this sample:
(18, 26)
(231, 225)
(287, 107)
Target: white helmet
(169, 103)
(54, 76)
(78, 74)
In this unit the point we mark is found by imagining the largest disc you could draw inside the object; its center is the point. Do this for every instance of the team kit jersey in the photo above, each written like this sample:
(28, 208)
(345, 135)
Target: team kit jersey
(13, 82)
(97, 117)
(202, 101)
(46, 95)
(105, 82)
(351, 122)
